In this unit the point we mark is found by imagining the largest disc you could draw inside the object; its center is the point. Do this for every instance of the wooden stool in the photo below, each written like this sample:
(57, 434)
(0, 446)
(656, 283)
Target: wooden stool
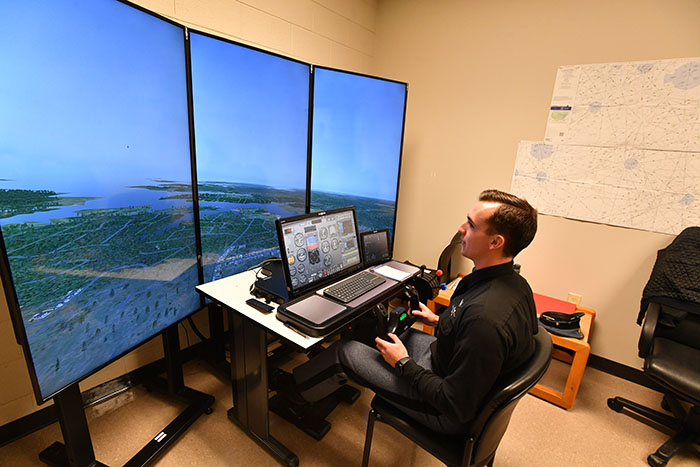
(581, 349)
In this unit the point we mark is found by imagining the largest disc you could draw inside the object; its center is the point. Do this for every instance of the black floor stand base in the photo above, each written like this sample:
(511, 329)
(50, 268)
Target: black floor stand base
(199, 403)
(56, 456)
(77, 450)
(311, 417)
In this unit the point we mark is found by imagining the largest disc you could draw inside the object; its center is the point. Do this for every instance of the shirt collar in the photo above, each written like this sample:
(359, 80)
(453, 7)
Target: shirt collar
(485, 274)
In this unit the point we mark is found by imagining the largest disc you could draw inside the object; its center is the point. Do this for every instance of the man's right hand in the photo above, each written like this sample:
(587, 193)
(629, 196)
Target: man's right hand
(425, 316)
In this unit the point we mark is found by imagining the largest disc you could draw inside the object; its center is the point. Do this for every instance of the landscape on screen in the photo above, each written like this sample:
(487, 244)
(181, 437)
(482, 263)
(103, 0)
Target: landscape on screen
(371, 213)
(94, 282)
(96, 206)
(251, 125)
(237, 221)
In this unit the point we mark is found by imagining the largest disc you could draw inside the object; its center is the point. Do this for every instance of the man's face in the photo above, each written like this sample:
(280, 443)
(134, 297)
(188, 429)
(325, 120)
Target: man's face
(475, 239)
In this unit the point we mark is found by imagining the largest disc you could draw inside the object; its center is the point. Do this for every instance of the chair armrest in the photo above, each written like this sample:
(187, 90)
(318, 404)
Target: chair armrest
(651, 317)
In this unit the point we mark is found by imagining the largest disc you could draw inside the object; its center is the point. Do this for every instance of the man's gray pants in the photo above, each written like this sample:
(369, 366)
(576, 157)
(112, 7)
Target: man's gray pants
(365, 366)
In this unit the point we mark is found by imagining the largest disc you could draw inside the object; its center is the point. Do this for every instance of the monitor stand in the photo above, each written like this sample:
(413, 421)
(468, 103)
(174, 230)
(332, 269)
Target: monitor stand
(274, 287)
(78, 451)
(215, 350)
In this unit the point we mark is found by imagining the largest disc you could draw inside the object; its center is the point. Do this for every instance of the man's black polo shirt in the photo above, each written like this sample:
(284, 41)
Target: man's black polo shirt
(485, 332)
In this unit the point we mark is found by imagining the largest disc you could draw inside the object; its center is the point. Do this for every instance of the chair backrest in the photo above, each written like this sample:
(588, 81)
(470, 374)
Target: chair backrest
(445, 262)
(491, 422)
(670, 322)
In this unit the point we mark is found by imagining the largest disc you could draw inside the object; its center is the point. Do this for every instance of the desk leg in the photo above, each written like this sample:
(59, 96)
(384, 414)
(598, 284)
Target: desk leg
(578, 365)
(250, 385)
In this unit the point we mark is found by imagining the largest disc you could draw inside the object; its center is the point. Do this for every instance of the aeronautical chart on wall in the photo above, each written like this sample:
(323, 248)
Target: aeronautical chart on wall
(621, 147)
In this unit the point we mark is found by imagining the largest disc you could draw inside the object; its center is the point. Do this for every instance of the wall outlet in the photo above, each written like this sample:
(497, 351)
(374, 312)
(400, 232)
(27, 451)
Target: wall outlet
(574, 298)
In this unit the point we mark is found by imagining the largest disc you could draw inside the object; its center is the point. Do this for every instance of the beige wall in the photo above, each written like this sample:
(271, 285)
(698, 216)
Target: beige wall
(335, 33)
(480, 76)
(480, 79)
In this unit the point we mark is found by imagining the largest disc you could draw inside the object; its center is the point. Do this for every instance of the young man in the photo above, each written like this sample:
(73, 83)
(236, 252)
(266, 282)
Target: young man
(485, 332)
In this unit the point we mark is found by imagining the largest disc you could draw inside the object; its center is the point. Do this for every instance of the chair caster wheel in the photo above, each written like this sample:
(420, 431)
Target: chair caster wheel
(655, 461)
(614, 404)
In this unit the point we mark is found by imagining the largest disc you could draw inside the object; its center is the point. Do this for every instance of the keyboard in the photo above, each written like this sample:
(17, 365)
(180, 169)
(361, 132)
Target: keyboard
(349, 289)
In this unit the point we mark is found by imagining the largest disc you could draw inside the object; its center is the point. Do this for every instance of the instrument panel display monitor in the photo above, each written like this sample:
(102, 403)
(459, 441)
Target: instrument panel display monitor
(318, 248)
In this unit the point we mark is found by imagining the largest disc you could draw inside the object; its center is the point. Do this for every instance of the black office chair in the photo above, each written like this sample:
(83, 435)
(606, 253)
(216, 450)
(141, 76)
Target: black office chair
(452, 251)
(478, 446)
(671, 360)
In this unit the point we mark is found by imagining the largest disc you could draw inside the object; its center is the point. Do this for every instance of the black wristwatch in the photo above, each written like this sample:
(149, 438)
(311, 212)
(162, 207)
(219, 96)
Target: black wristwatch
(401, 363)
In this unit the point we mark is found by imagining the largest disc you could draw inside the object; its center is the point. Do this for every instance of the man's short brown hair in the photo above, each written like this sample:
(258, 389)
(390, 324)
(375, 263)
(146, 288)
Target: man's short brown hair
(515, 219)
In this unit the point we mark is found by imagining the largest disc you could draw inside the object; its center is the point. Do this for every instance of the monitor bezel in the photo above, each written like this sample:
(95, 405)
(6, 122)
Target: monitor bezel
(193, 134)
(9, 284)
(321, 283)
(247, 46)
(363, 235)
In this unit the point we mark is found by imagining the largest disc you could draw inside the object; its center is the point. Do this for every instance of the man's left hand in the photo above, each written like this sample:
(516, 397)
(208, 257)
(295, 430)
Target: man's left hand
(392, 352)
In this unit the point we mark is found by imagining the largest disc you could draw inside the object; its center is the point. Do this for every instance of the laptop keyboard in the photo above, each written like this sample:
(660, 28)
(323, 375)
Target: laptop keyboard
(349, 289)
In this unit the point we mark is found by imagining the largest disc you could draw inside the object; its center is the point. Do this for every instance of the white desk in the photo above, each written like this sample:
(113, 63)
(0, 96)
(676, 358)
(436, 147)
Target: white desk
(233, 291)
(249, 355)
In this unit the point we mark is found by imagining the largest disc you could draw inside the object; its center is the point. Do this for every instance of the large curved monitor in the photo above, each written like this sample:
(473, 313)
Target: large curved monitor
(251, 112)
(96, 206)
(358, 124)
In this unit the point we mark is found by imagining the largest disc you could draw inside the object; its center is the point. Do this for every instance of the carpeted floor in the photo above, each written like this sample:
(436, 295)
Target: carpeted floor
(540, 434)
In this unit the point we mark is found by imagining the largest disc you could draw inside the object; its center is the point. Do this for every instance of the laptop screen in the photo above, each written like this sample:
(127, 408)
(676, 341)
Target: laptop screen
(318, 248)
(375, 247)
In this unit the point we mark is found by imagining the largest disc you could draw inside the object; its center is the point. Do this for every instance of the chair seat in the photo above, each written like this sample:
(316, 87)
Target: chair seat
(448, 448)
(668, 366)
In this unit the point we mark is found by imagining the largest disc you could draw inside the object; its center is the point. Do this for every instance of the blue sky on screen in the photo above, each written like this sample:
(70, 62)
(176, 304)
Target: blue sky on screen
(96, 98)
(251, 114)
(358, 123)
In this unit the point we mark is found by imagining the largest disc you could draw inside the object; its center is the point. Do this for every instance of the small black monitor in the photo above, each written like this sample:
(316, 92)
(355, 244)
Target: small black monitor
(318, 248)
(375, 247)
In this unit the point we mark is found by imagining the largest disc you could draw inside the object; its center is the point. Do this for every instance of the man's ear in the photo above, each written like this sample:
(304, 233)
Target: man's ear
(497, 242)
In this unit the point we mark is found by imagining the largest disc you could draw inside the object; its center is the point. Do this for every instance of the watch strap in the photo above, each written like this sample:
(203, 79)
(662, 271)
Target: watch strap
(400, 364)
